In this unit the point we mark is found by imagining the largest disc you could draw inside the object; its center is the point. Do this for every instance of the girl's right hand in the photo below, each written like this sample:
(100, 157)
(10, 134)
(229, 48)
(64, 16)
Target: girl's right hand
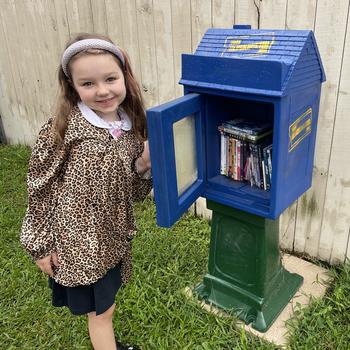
(45, 264)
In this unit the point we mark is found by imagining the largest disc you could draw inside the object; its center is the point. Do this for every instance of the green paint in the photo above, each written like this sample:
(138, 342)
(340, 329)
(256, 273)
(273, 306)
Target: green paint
(245, 273)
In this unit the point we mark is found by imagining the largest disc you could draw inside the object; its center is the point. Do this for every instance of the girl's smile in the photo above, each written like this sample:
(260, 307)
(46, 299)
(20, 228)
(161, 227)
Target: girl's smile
(107, 102)
(99, 82)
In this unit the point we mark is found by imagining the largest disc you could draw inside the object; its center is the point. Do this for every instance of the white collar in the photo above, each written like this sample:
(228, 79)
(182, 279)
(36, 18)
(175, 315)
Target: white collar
(124, 123)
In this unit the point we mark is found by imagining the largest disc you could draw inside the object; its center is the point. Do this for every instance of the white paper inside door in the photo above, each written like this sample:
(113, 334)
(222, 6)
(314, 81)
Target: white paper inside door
(185, 153)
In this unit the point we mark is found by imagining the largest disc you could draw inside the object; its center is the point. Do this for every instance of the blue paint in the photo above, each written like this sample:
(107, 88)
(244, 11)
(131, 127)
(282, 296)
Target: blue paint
(266, 75)
(161, 141)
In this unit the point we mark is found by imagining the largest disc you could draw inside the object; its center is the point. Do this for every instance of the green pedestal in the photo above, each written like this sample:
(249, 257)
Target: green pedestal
(245, 273)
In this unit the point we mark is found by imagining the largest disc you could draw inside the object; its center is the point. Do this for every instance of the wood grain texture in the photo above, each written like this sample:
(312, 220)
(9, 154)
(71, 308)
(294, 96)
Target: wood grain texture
(330, 27)
(147, 48)
(247, 12)
(300, 15)
(164, 50)
(223, 13)
(182, 38)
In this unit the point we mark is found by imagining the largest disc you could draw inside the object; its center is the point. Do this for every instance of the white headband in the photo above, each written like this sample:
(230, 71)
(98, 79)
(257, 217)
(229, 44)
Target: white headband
(86, 44)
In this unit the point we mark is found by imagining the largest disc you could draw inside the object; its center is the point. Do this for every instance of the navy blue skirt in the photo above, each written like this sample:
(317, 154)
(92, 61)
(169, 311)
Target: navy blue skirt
(80, 300)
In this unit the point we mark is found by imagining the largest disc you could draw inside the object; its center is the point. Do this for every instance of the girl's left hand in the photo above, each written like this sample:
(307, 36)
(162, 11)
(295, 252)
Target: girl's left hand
(143, 163)
(45, 264)
(146, 155)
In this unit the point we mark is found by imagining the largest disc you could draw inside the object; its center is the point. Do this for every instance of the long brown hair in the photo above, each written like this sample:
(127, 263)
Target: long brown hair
(68, 98)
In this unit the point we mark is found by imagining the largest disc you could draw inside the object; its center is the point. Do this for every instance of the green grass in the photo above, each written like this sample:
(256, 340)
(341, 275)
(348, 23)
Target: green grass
(152, 309)
(325, 324)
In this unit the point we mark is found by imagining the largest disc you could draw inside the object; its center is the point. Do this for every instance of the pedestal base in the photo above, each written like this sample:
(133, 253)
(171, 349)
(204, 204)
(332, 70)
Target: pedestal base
(259, 312)
(246, 275)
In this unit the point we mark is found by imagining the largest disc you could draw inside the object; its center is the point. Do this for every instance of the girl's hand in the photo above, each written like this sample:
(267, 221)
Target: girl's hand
(146, 155)
(143, 163)
(45, 264)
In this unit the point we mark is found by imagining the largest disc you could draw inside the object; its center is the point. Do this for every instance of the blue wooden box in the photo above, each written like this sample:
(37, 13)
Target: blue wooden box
(268, 75)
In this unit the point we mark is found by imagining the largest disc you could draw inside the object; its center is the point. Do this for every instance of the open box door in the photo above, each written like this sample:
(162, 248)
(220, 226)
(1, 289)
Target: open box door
(176, 140)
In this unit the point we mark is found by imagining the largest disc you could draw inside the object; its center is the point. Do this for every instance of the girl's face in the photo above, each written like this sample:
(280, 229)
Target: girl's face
(100, 84)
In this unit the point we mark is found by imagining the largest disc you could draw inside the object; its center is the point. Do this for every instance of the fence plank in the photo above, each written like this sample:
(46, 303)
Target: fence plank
(145, 25)
(287, 227)
(330, 39)
(99, 16)
(273, 14)
(47, 33)
(28, 85)
(336, 219)
(62, 24)
(301, 14)
(33, 15)
(247, 12)
(9, 111)
(130, 35)
(164, 50)
(181, 29)
(79, 16)
(223, 13)
(114, 22)
(201, 20)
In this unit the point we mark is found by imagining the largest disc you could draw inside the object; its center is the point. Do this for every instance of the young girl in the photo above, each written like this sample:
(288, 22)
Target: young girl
(89, 164)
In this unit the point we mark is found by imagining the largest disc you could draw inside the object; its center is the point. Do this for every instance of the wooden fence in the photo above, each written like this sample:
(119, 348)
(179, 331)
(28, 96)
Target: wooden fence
(155, 33)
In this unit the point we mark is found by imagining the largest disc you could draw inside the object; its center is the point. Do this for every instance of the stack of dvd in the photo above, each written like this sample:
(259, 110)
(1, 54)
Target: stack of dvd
(246, 152)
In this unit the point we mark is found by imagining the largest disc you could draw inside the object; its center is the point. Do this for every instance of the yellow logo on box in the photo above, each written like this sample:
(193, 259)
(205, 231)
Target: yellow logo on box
(249, 45)
(299, 129)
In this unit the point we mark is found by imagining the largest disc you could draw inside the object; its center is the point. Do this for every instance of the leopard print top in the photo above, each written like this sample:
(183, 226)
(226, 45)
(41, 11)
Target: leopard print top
(80, 197)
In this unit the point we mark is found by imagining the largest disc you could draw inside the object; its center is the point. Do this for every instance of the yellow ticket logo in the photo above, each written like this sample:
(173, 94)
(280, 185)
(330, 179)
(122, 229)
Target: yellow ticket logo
(249, 45)
(300, 128)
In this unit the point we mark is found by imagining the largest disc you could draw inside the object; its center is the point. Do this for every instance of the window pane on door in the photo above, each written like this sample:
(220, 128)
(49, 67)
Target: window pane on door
(185, 153)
